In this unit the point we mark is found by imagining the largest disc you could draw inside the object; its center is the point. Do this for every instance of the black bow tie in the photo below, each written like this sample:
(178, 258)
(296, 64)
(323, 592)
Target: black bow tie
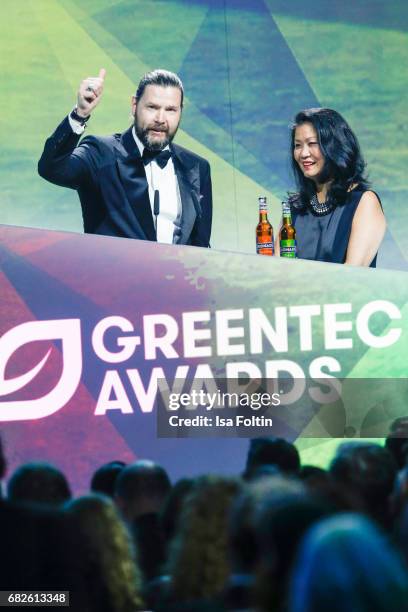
(161, 157)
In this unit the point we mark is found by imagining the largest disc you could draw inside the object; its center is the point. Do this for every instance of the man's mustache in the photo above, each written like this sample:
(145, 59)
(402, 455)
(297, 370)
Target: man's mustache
(158, 129)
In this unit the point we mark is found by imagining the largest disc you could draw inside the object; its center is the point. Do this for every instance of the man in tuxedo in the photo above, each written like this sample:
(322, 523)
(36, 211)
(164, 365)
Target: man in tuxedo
(136, 184)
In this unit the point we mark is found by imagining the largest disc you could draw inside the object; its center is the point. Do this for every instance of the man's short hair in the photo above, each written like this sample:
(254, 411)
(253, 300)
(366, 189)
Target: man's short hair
(272, 452)
(164, 78)
(143, 479)
(39, 483)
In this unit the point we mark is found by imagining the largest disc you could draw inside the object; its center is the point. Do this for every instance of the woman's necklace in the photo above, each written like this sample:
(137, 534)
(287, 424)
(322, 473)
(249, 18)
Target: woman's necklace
(320, 208)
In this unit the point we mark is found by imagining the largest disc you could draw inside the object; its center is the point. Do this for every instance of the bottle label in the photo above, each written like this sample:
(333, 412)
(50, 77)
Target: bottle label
(264, 248)
(288, 248)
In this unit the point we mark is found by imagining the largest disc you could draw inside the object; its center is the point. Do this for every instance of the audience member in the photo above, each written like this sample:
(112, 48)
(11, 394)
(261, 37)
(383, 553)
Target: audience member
(345, 563)
(38, 483)
(103, 556)
(141, 488)
(368, 470)
(104, 479)
(283, 515)
(198, 561)
(140, 492)
(243, 541)
(271, 452)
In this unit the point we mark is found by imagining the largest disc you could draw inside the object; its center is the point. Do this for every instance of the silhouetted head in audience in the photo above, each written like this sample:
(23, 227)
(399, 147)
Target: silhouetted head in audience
(346, 564)
(370, 470)
(397, 441)
(104, 556)
(275, 452)
(141, 488)
(104, 479)
(198, 561)
(283, 515)
(38, 483)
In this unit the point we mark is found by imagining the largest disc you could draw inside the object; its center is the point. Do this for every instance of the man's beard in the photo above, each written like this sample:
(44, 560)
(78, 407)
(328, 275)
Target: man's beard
(150, 143)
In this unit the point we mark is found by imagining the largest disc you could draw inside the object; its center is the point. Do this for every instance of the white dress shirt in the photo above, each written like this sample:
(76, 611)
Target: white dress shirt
(165, 181)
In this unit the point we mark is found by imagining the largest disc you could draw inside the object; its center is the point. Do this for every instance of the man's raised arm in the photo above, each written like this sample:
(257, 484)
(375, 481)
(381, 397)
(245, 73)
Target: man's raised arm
(60, 162)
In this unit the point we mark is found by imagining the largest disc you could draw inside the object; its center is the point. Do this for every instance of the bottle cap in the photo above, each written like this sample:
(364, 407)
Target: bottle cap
(262, 203)
(285, 207)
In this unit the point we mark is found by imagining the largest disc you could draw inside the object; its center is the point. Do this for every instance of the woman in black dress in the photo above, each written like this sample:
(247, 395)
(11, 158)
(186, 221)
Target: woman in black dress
(336, 216)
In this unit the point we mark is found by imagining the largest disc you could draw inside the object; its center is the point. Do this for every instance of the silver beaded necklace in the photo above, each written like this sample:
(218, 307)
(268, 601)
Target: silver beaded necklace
(320, 208)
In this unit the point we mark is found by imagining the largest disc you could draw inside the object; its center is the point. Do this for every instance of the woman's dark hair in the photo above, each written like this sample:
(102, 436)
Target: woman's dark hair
(343, 162)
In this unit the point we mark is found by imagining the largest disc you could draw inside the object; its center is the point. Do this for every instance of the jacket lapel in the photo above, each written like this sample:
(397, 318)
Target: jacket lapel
(188, 176)
(133, 176)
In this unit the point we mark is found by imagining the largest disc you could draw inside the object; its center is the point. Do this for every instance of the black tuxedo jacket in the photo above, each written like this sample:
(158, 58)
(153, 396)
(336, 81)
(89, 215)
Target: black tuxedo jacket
(110, 178)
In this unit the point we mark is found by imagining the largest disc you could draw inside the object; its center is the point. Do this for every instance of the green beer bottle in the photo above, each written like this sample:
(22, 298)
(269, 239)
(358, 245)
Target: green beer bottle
(287, 234)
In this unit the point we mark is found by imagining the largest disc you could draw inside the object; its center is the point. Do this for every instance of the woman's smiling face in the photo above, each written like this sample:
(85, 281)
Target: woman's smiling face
(306, 151)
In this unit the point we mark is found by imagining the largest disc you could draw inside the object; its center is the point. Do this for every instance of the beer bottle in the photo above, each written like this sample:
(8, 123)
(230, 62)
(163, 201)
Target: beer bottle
(264, 230)
(287, 234)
